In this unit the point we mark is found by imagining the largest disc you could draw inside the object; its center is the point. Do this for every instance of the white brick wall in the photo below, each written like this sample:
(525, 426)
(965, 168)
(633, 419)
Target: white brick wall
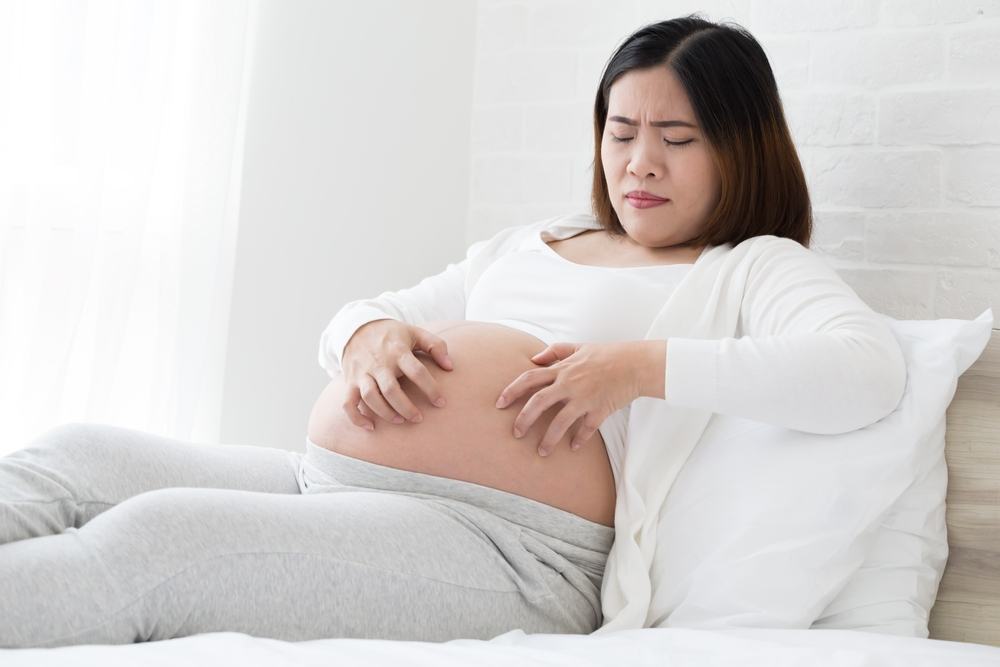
(894, 106)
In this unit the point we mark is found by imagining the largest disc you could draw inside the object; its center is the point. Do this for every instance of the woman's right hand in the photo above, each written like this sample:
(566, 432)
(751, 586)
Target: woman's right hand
(376, 355)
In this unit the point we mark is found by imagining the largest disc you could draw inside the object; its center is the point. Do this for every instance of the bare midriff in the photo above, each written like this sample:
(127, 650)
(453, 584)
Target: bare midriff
(470, 439)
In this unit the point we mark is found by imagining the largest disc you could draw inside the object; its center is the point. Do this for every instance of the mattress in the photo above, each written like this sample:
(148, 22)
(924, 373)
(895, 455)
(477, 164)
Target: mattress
(673, 647)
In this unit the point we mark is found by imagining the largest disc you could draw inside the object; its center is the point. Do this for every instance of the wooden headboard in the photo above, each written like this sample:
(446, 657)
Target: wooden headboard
(968, 600)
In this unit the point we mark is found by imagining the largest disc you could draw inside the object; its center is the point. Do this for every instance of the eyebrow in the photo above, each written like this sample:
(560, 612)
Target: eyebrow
(655, 123)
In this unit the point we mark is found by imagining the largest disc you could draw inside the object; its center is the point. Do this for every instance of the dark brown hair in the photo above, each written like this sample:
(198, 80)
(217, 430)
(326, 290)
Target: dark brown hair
(728, 79)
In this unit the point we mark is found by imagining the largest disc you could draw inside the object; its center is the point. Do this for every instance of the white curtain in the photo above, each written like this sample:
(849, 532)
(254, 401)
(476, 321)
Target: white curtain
(121, 131)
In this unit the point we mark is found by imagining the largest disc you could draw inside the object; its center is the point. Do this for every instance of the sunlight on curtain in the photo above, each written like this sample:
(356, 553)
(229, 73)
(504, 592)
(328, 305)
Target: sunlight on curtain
(121, 130)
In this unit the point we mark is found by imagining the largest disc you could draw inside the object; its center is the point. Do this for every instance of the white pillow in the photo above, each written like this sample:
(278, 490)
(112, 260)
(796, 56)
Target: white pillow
(771, 527)
(894, 589)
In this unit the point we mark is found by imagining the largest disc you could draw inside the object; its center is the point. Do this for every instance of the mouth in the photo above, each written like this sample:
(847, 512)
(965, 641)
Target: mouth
(645, 197)
(636, 202)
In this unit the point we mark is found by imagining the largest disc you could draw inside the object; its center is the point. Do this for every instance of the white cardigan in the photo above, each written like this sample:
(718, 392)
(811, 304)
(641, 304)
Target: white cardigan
(765, 330)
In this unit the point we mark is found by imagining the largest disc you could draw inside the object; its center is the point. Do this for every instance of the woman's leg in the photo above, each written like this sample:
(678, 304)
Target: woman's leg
(73, 472)
(351, 563)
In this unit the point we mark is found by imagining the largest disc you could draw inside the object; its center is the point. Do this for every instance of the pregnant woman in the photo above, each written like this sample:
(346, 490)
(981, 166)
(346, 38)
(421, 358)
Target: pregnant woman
(405, 519)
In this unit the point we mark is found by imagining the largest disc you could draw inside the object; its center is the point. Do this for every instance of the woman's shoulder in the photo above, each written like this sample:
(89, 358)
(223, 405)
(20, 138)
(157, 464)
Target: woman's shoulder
(555, 227)
(775, 250)
(769, 243)
(560, 226)
(769, 253)
(769, 265)
(485, 251)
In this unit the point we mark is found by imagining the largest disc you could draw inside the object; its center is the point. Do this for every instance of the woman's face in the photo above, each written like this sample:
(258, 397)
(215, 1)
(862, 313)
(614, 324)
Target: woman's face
(683, 173)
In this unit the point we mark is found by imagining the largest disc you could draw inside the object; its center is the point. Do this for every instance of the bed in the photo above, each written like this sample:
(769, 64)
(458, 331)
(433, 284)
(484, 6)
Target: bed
(964, 623)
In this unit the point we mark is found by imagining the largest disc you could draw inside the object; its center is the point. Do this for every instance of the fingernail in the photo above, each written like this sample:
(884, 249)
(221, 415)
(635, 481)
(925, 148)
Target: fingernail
(542, 452)
(501, 402)
(440, 403)
(517, 433)
(369, 427)
(575, 445)
(418, 418)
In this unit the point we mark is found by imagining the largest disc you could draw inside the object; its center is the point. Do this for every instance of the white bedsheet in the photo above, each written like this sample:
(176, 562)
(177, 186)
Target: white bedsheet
(663, 647)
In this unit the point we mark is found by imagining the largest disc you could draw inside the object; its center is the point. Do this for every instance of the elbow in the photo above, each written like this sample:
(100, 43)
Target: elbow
(869, 385)
(882, 384)
(894, 376)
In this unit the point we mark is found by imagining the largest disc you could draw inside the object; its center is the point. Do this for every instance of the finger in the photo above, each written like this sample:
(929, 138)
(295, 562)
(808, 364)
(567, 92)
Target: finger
(554, 352)
(521, 384)
(367, 412)
(544, 357)
(557, 429)
(539, 402)
(420, 376)
(393, 392)
(372, 396)
(584, 433)
(435, 346)
(352, 407)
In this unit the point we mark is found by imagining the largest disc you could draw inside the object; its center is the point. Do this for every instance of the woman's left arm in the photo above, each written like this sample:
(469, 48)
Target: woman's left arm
(814, 357)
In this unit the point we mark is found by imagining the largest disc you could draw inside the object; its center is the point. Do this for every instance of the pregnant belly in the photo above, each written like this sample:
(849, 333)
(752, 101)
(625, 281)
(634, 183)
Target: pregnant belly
(470, 439)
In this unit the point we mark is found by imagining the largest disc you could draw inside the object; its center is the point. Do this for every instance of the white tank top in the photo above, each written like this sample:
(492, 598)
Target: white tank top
(537, 290)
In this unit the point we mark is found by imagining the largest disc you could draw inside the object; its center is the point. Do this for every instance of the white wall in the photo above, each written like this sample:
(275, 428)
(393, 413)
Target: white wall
(894, 107)
(355, 181)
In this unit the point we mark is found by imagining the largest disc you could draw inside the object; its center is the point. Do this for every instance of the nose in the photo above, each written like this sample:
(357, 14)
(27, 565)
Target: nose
(645, 159)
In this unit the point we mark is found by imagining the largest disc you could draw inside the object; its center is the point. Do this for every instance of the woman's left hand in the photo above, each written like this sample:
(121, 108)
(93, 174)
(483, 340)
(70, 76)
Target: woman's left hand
(592, 379)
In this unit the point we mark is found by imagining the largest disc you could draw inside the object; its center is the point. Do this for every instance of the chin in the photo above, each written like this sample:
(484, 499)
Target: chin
(641, 240)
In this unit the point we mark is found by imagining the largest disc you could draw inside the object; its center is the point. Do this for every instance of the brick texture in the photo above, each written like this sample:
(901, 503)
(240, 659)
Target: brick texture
(894, 107)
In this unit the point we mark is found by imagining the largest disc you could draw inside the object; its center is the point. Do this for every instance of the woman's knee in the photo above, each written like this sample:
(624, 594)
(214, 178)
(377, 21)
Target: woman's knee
(161, 524)
(160, 511)
(158, 533)
(181, 513)
(76, 445)
(76, 435)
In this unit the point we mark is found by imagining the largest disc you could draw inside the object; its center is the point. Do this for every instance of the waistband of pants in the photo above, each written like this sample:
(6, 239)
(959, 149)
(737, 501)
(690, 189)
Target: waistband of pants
(523, 511)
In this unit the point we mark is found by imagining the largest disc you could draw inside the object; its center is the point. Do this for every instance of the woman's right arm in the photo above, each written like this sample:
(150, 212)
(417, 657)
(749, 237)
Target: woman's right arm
(437, 297)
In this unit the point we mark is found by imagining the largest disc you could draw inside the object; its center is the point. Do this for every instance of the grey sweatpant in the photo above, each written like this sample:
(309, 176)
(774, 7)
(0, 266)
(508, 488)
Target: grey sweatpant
(110, 535)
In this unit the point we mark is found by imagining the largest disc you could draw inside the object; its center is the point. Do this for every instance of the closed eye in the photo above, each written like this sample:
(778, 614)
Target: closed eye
(666, 141)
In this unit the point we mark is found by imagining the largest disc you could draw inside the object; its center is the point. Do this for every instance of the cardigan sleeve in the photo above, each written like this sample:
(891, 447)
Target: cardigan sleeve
(813, 356)
(437, 297)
